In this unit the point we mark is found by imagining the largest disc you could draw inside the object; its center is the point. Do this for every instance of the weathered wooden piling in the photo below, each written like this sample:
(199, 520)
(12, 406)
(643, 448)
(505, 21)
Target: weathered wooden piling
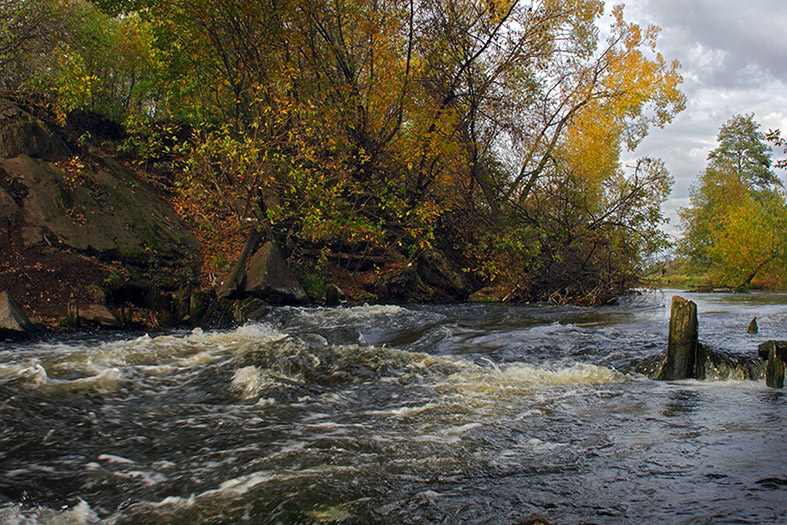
(682, 343)
(333, 295)
(775, 352)
(72, 312)
(124, 314)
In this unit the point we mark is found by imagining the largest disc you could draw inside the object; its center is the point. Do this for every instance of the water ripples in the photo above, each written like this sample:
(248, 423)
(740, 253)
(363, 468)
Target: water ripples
(465, 413)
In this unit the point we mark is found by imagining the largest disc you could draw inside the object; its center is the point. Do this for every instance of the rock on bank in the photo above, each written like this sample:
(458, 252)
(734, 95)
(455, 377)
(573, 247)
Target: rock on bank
(74, 222)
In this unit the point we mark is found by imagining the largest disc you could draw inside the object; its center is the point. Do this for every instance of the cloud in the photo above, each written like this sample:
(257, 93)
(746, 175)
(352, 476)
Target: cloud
(732, 57)
(749, 35)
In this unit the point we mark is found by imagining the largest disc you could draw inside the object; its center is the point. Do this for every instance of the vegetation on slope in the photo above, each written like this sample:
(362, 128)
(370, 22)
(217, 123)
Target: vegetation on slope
(366, 136)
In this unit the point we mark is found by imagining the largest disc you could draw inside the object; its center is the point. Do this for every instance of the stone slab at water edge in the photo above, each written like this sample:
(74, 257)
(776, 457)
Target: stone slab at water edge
(13, 320)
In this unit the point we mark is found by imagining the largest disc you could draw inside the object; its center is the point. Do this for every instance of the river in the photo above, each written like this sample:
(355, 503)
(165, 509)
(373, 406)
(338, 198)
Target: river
(396, 414)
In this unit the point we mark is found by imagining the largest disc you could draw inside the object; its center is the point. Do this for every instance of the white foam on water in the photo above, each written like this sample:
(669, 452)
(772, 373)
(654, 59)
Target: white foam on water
(445, 436)
(193, 349)
(554, 328)
(248, 382)
(461, 429)
(521, 376)
(102, 365)
(258, 331)
(406, 411)
(110, 458)
(196, 360)
(158, 370)
(17, 472)
(530, 413)
(356, 316)
(542, 447)
(243, 484)
(79, 514)
(290, 448)
(429, 495)
(35, 377)
(577, 374)
(9, 372)
(365, 310)
(147, 478)
(176, 501)
(238, 487)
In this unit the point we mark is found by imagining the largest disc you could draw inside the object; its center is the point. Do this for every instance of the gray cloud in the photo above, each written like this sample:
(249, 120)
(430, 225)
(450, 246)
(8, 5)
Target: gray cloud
(734, 60)
(746, 36)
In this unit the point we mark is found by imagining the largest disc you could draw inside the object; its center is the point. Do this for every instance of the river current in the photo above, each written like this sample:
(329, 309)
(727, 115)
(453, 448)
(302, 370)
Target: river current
(396, 414)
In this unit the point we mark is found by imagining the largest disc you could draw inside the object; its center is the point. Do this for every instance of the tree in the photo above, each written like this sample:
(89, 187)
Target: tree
(455, 122)
(394, 126)
(775, 138)
(79, 56)
(751, 241)
(742, 150)
(733, 228)
(29, 31)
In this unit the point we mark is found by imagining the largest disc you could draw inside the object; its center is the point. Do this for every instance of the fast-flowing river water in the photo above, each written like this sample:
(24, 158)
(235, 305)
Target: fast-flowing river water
(396, 414)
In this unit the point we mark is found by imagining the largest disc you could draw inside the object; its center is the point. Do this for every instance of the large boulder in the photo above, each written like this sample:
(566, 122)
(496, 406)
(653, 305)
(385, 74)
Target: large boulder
(23, 134)
(13, 320)
(98, 208)
(78, 221)
(269, 277)
(400, 283)
(94, 205)
(98, 314)
(436, 270)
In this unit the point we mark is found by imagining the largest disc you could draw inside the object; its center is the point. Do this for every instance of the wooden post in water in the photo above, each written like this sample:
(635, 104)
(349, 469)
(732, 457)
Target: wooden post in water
(776, 353)
(682, 344)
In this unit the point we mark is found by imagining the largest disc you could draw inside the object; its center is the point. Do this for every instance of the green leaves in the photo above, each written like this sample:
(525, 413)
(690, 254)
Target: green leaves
(489, 127)
(734, 227)
(742, 150)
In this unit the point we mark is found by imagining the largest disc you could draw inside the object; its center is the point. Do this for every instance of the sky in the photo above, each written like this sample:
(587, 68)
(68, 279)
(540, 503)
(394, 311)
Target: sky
(734, 61)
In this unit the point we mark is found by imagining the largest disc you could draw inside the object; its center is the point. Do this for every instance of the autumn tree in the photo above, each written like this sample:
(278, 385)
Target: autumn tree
(29, 31)
(751, 242)
(564, 175)
(78, 56)
(733, 227)
(489, 130)
(396, 126)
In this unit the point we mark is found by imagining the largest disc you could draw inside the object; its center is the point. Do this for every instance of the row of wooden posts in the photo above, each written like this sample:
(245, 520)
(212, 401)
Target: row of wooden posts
(683, 346)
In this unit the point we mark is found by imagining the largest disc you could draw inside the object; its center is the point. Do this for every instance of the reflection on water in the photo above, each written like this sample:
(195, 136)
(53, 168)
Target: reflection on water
(390, 414)
(681, 403)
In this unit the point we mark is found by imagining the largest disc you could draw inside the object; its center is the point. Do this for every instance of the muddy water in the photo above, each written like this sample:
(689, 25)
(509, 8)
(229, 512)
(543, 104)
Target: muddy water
(389, 414)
